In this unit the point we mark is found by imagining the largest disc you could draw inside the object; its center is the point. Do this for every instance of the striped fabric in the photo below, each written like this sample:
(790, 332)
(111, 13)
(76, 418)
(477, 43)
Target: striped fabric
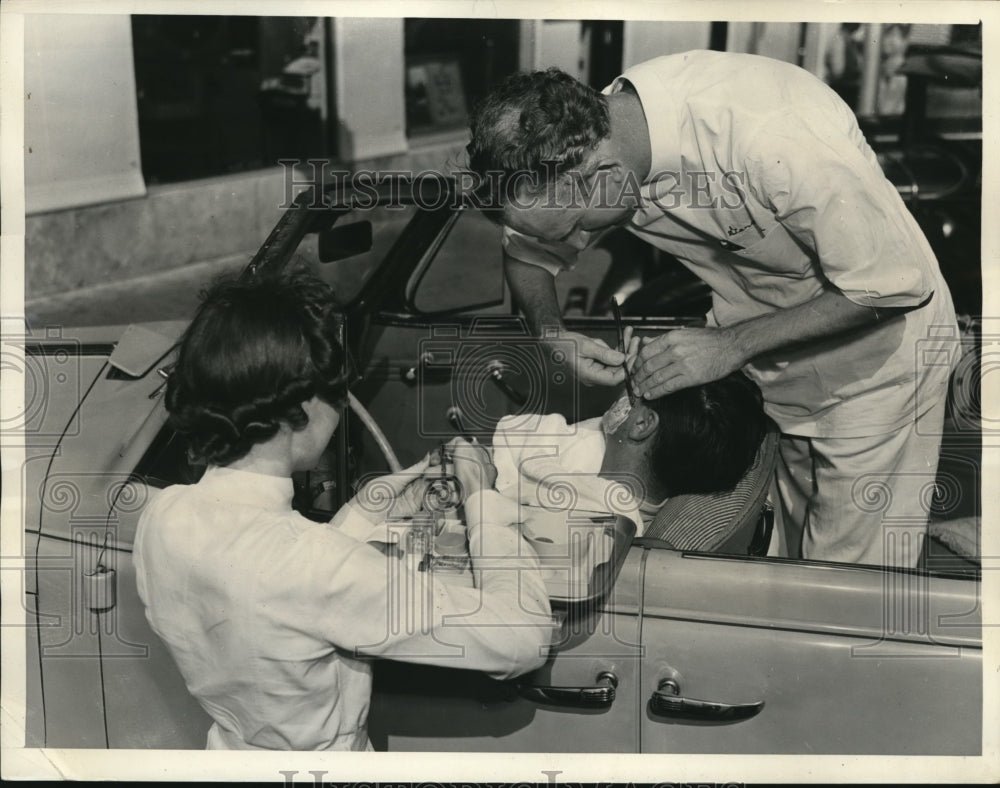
(709, 521)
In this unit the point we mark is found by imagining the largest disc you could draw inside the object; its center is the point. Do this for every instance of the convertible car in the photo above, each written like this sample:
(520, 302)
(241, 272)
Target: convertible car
(672, 645)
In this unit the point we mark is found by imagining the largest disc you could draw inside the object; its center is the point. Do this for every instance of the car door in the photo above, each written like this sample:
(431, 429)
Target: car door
(807, 658)
(445, 357)
(584, 699)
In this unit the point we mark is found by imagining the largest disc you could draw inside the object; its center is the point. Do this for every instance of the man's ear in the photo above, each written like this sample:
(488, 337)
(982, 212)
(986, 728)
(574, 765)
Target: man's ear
(615, 169)
(643, 423)
(597, 168)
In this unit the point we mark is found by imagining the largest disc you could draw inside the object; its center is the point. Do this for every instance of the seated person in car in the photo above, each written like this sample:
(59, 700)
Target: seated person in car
(701, 439)
(270, 616)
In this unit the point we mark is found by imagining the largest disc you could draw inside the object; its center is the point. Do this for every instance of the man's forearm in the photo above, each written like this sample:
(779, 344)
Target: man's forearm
(534, 292)
(825, 316)
(678, 359)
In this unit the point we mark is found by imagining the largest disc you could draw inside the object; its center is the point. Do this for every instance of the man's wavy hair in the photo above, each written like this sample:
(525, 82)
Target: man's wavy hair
(541, 123)
(708, 435)
(255, 351)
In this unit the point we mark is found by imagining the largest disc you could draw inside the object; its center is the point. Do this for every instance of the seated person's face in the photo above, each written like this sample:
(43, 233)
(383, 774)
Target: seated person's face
(696, 440)
(616, 415)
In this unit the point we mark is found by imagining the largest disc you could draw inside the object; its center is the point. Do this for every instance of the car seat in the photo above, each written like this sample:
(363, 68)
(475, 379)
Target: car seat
(736, 521)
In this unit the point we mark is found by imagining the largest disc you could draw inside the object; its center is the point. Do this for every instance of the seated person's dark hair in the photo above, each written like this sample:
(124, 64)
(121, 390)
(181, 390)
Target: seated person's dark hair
(708, 435)
(253, 354)
(539, 123)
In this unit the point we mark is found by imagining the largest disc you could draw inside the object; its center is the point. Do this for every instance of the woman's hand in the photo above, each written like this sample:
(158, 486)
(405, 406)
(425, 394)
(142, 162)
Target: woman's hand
(399, 494)
(473, 466)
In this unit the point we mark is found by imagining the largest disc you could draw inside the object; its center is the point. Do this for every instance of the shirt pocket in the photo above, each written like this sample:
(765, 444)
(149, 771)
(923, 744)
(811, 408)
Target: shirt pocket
(774, 271)
(770, 250)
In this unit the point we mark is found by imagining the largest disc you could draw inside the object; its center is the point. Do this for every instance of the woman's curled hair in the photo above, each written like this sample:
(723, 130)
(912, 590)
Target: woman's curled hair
(255, 351)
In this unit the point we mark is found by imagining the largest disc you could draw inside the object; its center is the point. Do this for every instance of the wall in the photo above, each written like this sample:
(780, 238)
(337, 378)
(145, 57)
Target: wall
(562, 46)
(81, 131)
(644, 40)
(85, 150)
(778, 40)
(172, 226)
(368, 74)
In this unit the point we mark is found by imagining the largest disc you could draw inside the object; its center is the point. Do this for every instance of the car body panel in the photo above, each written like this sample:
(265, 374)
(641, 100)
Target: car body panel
(822, 695)
(70, 713)
(33, 690)
(415, 708)
(846, 659)
(836, 599)
(80, 493)
(117, 418)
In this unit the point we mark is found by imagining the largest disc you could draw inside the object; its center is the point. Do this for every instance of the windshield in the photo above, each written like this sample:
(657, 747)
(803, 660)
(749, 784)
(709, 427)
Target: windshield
(348, 275)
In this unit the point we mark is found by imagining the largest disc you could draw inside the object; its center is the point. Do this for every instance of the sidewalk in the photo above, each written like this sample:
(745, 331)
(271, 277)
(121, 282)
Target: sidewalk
(169, 295)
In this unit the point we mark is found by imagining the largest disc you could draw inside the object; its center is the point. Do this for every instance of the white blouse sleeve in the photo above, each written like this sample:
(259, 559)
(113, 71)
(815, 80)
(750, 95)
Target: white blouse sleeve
(368, 603)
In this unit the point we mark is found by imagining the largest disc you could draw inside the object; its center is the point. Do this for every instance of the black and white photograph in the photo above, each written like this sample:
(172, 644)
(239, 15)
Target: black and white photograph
(551, 393)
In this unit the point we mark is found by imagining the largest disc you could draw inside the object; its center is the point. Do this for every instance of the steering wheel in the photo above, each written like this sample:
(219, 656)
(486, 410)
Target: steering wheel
(376, 432)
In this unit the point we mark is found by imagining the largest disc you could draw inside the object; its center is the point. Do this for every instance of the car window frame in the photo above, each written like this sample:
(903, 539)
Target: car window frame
(425, 264)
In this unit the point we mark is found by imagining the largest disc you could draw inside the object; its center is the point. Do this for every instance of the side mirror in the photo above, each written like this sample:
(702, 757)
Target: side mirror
(345, 240)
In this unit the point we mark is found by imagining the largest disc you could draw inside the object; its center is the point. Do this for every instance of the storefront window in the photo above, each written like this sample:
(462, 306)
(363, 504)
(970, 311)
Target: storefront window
(219, 95)
(450, 64)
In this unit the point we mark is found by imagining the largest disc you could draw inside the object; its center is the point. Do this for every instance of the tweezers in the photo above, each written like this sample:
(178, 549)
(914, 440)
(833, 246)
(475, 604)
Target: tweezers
(617, 312)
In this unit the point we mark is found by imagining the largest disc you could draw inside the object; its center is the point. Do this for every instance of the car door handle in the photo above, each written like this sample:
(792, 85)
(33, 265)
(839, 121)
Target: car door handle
(667, 702)
(600, 695)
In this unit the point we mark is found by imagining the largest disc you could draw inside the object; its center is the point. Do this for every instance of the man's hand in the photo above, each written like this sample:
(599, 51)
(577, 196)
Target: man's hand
(685, 357)
(594, 362)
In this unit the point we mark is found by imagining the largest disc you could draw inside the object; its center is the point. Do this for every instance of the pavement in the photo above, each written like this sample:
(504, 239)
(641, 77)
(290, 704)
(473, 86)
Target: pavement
(169, 295)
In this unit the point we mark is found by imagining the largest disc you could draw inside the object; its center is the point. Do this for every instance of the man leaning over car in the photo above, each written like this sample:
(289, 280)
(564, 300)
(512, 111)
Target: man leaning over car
(755, 175)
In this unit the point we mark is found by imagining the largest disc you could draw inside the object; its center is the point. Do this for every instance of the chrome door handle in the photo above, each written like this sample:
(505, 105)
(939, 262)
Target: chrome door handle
(667, 702)
(601, 694)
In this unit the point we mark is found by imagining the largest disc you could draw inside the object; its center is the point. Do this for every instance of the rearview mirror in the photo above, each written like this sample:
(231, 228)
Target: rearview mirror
(345, 240)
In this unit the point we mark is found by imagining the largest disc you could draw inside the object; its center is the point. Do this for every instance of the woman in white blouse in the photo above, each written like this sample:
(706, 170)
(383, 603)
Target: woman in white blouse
(271, 617)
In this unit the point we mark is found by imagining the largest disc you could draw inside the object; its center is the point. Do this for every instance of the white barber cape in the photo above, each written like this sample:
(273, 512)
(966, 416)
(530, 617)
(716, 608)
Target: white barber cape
(543, 461)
